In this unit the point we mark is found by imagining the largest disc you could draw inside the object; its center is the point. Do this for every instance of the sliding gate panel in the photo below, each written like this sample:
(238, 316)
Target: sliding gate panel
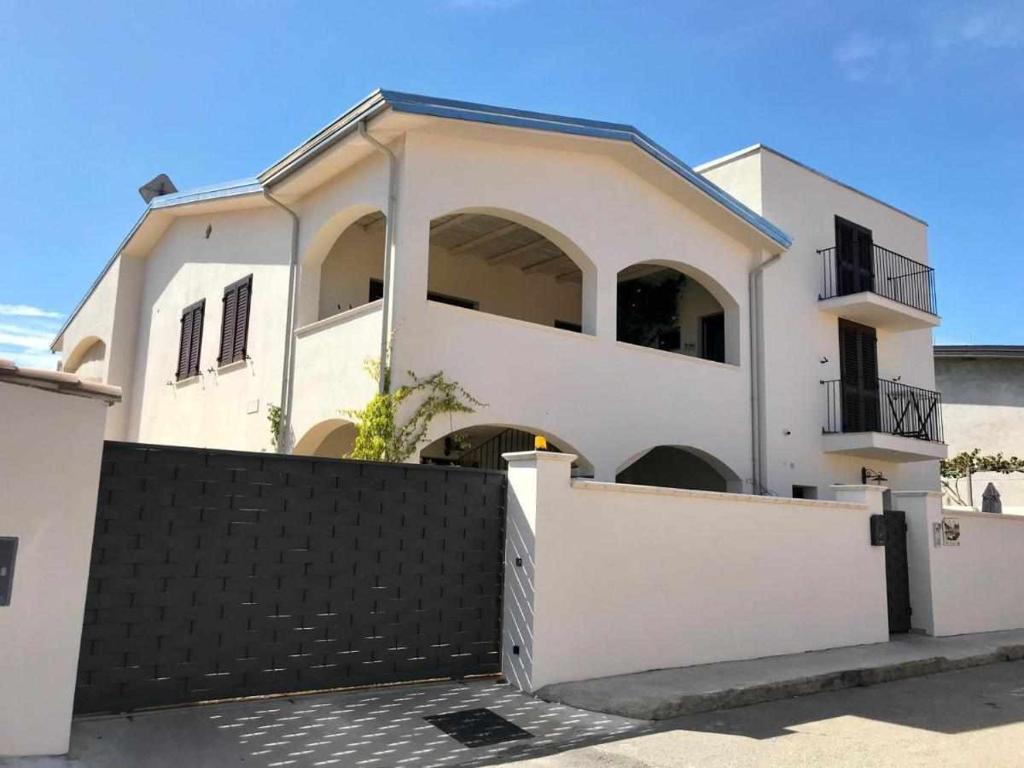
(220, 574)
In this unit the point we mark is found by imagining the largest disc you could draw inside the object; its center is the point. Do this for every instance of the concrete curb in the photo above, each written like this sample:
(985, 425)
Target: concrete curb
(662, 705)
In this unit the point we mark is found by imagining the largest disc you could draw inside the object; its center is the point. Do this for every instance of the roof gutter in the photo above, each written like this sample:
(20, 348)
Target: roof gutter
(758, 443)
(288, 364)
(389, 248)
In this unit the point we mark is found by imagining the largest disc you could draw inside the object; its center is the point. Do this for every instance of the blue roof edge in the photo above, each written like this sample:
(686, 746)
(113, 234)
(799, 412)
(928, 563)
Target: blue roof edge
(515, 118)
(400, 101)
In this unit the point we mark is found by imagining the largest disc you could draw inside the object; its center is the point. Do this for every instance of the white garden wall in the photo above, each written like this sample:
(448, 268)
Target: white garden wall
(618, 579)
(50, 449)
(976, 585)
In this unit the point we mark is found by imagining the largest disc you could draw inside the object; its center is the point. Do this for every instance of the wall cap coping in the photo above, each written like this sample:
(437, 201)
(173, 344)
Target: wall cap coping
(58, 381)
(858, 487)
(522, 457)
(491, 317)
(340, 318)
(595, 485)
(973, 513)
(910, 494)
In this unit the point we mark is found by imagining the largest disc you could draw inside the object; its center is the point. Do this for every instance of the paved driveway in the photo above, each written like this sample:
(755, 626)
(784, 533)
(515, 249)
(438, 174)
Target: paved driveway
(970, 718)
(380, 728)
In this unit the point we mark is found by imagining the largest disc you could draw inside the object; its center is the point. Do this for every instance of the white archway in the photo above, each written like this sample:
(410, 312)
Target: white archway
(679, 466)
(677, 307)
(331, 438)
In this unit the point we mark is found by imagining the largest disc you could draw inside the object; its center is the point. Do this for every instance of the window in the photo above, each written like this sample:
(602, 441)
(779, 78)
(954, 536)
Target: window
(712, 337)
(858, 369)
(854, 258)
(191, 340)
(234, 329)
(377, 292)
(805, 492)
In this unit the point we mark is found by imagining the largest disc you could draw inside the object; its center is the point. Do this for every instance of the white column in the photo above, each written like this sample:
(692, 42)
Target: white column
(535, 480)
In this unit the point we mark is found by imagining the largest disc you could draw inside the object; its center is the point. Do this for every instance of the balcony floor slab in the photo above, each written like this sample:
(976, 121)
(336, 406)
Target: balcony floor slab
(878, 312)
(883, 447)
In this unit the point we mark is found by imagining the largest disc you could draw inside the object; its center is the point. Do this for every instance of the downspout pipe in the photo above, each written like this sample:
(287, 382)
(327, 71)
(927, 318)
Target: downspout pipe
(389, 241)
(288, 369)
(757, 374)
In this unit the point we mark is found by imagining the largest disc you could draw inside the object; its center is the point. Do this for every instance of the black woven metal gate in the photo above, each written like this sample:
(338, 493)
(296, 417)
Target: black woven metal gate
(221, 574)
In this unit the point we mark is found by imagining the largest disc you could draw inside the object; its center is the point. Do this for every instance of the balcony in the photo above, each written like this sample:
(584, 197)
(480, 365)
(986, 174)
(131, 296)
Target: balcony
(891, 422)
(889, 291)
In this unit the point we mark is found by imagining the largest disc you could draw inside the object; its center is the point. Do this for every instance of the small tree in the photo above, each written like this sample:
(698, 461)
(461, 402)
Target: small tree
(967, 464)
(380, 437)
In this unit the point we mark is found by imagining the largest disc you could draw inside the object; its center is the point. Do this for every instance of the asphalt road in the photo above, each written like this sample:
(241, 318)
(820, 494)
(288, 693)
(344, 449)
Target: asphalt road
(968, 718)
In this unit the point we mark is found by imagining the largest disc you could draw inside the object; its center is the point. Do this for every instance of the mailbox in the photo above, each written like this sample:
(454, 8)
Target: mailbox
(878, 530)
(8, 548)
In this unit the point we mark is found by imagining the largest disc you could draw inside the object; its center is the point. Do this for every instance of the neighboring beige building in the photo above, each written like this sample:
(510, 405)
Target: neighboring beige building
(983, 407)
(669, 325)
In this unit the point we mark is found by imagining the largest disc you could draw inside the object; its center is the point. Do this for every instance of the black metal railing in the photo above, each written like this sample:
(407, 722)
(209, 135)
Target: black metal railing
(892, 275)
(487, 455)
(893, 408)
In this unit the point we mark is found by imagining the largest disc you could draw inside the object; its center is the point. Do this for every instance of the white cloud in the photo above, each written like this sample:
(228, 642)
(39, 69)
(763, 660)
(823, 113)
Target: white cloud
(1000, 25)
(858, 56)
(25, 310)
(26, 333)
(42, 360)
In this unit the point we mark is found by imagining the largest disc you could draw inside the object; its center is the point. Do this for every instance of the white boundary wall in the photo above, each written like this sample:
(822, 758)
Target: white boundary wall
(975, 586)
(618, 579)
(51, 448)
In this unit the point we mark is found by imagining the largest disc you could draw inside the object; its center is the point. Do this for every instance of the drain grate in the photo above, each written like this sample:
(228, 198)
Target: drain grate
(478, 727)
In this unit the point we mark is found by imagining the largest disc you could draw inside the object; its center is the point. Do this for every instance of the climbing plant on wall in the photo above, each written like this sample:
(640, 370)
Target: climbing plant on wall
(968, 463)
(379, 435)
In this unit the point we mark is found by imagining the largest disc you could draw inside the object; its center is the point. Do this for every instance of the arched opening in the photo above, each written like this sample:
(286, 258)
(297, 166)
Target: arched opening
(504, 264)
(482, 446)
(352, 272)
(331, 439)
(86, 359)
(671, 466)
(677, 309)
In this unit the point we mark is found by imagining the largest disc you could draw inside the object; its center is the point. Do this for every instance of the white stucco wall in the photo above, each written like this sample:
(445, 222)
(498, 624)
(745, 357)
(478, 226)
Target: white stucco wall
(983, 408)
(608, 401)
(799, 335)
(225, 407)
(721, 576)
(977, 586)
(605, 206)
(50, 449)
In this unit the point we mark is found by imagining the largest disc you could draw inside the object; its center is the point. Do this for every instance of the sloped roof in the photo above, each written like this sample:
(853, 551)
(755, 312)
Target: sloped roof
(381, 100)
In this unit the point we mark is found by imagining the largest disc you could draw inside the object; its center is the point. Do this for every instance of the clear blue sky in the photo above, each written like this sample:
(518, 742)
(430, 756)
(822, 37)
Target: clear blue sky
(920, 104)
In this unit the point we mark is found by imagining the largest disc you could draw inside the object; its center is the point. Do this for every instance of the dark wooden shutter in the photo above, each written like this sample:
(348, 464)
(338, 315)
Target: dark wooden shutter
(242, 319)
(858, 363)
(184, 343)
(197, 338)
(191, 341)
(227, 328)
(234, 331)
(854, 258)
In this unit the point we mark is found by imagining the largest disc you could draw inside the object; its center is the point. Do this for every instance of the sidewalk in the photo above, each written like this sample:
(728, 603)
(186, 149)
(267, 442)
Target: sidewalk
(666, 693)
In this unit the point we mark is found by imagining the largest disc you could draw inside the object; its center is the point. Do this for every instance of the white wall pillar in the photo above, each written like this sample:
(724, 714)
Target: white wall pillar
(50, 455)
(872, 495)
(533, 476)
(923, 509)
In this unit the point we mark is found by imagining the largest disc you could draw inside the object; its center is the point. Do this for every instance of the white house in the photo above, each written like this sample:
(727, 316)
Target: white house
(983, 407)
(750, 324)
